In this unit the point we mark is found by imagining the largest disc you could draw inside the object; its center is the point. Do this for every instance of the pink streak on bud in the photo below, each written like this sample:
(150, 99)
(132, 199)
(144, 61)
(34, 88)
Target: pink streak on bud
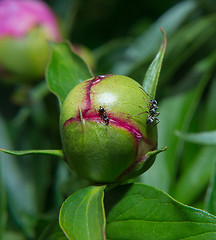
(99, 78)
(17, 17)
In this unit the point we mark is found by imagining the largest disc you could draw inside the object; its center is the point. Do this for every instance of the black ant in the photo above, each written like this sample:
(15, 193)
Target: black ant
(150, 119)
(103, 115)
(153, 104)
(152, 111)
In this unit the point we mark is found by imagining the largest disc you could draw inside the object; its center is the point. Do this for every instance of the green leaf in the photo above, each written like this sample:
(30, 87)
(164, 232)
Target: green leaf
(147, 43)
(20, 193)
(160, 174)
(186, 42)
(65, 70)
(196, 176)
(210, 113)
(13, 236)
(57, 153)
(151, 78)
(82, 215)
(210, 200)
(141, 212)
(177, 112)
(3, 205)
(208, 138)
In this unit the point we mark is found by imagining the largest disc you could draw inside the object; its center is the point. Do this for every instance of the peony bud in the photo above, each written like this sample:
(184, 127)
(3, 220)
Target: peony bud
(25, 27)
(105, 128)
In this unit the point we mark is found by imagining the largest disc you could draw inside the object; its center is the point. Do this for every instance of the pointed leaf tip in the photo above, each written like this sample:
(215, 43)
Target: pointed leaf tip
(164, 41)
(152, 75)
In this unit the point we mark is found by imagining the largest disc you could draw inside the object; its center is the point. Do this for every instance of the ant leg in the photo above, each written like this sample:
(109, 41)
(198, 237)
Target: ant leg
(156, 122)
(143, 107)
(140, 113)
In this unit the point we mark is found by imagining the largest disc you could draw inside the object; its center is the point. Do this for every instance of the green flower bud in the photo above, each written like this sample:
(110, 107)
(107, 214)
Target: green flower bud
(25, 28)
(107, 129)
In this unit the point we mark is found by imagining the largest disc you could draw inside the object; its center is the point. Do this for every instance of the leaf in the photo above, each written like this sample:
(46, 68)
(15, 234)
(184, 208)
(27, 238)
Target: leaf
(186, 42)
(179, 114)
(9, 235)
(147, 43)
(66, 11)
(176, 112)
(210, 200)
(3, 205)
(20, 193)
(141, 212)
(53, 232)
(160, 174)
(109, 54)
(210, 113)
(82, 215)
(151, 78)
(65, 70)
(196, 176)
(208, 138)
(57, 153)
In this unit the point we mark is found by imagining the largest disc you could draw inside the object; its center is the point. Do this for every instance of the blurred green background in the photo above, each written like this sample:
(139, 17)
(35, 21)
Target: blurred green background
(123, 37)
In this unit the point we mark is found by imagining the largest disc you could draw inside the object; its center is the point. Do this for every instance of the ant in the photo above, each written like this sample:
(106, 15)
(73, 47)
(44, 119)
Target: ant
(152, 111)
(103, 115)
(153, 104)
(150, 119)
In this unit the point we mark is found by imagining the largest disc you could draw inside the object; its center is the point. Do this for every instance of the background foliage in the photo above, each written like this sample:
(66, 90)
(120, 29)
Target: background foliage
(124, 39)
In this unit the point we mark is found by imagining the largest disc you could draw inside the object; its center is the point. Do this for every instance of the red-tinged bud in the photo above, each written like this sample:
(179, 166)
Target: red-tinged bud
(25, 27)
(105, 129)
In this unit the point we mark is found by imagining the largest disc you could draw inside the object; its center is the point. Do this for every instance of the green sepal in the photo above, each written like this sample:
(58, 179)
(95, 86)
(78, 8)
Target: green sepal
(151, 78)
(143, 165)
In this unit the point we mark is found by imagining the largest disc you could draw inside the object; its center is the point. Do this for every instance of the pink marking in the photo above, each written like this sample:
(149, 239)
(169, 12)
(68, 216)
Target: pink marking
(112, 121)
(70, 120)
(99, 78)
(94, 116)
(135, 132)
(87, 117)
(86, 102)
